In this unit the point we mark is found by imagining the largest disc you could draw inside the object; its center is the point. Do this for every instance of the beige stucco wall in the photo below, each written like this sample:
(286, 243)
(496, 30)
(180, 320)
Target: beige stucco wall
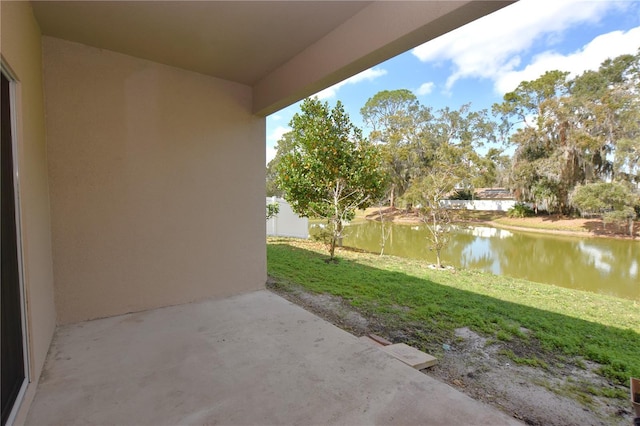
(21, 52)
(157, 183)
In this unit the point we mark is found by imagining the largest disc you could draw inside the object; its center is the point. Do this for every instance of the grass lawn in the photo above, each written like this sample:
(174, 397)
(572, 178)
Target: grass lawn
(543, 324)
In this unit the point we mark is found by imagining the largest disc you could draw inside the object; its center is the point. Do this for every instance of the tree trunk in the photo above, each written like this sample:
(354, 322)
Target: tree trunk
(337, 223)
(332, 247)
(436, 240)
(336, 237)
(631, 226)
(383, 235)
(392, 197)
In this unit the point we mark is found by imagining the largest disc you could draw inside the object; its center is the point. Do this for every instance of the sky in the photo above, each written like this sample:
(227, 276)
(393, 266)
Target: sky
(481, 61)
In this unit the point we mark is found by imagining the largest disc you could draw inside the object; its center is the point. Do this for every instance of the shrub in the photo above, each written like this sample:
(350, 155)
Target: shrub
(520, 210)
(272, 210)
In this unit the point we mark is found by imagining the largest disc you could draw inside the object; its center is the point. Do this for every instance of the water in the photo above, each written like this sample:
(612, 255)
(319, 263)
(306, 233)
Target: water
(598, 265)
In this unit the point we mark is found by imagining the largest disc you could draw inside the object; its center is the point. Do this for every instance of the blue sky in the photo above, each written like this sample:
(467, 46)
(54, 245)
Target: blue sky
(487, 58)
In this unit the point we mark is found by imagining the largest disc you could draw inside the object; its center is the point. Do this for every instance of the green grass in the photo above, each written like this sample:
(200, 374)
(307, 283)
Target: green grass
(531, 362)
(426, 306)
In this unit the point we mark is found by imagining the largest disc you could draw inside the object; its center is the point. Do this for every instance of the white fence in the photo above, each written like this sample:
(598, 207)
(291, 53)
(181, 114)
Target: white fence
(286, 223)
(484, 205)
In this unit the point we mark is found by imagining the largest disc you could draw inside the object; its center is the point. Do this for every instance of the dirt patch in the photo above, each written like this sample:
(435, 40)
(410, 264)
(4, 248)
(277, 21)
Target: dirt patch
(557, 394)
(393, 215)
(554, 392)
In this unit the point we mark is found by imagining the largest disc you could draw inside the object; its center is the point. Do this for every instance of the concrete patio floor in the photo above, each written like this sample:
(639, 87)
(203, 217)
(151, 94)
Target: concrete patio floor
(253, 359)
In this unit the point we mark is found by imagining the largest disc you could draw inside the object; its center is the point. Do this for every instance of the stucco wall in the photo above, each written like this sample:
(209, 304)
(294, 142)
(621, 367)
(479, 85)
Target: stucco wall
(157, 183)
(21, 52)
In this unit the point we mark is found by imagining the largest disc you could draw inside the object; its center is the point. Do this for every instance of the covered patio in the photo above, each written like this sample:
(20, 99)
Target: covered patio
(248, 359)
(133, 141)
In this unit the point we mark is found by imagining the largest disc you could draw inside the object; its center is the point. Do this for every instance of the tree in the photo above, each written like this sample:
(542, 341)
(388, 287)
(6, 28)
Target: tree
(283, 146)
(410, 136)
(547, 159)
(427, 192)
(492, 170)
(330, 170)
(570, 131)
(624, 88)
(614, 201)
(456, 134)
(452, 136)
(396, 119)
(607, 105)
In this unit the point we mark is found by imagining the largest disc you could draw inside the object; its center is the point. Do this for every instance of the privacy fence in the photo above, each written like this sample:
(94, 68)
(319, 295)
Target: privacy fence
(286, 223)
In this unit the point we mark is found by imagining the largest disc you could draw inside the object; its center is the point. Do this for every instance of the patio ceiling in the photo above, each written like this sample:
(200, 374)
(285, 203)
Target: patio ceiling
(238, 41)
(285, 50)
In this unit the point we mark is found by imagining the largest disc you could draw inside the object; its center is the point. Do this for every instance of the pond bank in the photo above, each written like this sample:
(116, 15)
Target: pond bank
(549, 224)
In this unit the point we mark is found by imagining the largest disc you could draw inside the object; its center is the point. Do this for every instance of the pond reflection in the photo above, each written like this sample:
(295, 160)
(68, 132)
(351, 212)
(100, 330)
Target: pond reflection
(602, 266)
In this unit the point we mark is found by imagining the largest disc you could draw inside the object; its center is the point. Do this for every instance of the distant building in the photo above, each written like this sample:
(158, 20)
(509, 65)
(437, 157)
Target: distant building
(485, 199)
(493, 194)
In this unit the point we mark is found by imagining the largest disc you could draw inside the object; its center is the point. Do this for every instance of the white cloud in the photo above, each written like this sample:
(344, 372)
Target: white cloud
(271, 152)
(272, 139)
(276, 117)
(366, 75)
(590, 57)
(490, 47)
(277, 133)
(425, 88)
(327, 93)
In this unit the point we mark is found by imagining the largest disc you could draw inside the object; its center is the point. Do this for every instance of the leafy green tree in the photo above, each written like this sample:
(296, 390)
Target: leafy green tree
(492, 169)
(283, 146)
(396, 119)
(411, 136)
(567, 132)
(607, 106)
(330, 170)
(456, 136)
(454, 164)
(427, 192)
(627, 159)
(547, 158)
(614, 201)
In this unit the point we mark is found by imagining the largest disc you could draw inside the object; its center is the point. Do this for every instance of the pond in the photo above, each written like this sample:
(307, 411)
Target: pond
(598, 265)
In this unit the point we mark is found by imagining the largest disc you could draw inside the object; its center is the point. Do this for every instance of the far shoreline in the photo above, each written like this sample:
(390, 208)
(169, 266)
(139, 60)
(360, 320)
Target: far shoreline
(584, 234)
(591, 227)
